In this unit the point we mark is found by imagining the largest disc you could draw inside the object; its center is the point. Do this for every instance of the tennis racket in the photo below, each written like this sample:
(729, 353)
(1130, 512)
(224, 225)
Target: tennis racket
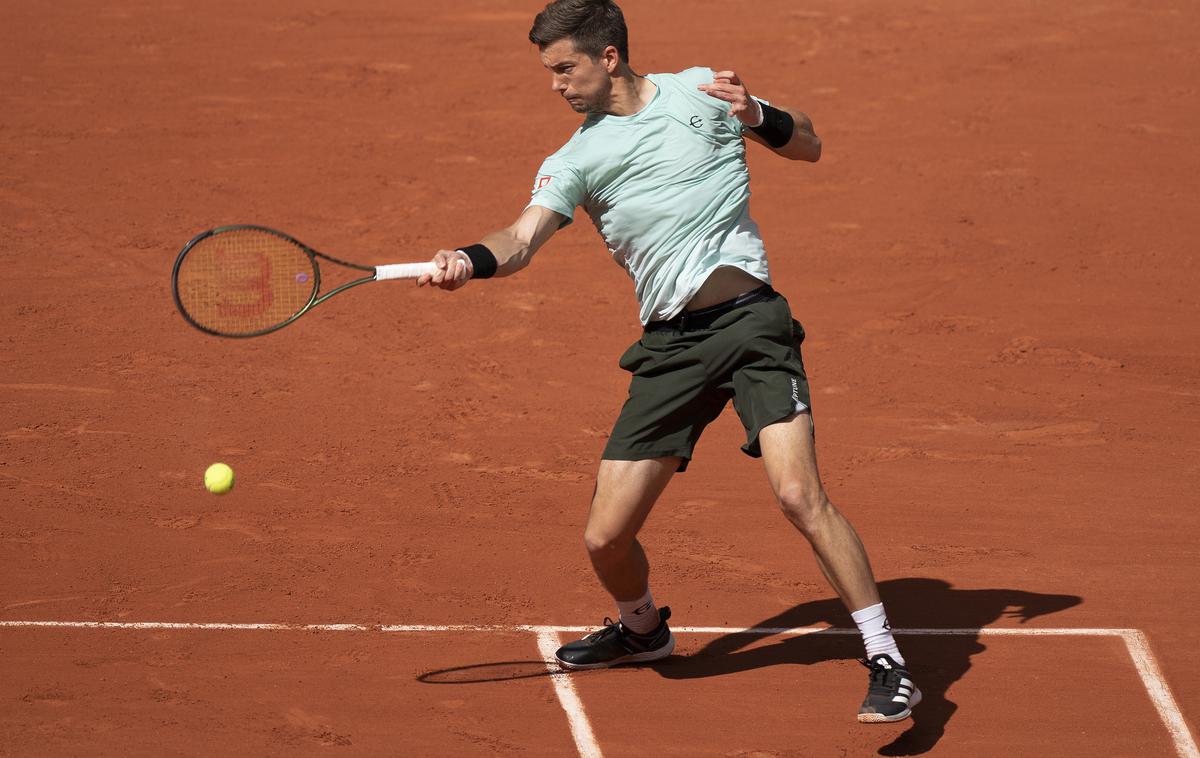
(246, 281)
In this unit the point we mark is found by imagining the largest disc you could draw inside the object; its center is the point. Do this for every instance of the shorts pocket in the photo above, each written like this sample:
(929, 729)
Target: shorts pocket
(633, 357)
(797, 332)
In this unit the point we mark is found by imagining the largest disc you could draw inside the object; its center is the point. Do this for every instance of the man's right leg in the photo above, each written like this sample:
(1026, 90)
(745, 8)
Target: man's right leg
(625, 493)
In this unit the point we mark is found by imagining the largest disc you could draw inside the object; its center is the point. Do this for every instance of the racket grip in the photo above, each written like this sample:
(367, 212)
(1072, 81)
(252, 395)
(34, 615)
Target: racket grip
(403, 270)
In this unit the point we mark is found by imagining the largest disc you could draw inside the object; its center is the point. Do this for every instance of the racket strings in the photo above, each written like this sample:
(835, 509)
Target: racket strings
(243, 281)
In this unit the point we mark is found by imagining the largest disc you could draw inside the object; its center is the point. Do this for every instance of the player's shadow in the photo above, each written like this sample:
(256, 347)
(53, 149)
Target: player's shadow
(937, 662)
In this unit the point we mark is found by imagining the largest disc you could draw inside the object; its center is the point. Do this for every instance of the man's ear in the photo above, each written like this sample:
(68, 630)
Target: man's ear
(612, 59)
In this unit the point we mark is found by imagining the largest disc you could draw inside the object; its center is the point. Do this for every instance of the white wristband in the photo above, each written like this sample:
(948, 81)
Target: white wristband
(762, 115)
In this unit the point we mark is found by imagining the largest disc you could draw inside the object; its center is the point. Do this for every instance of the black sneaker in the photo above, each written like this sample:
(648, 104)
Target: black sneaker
(615, 644)
(891, 695)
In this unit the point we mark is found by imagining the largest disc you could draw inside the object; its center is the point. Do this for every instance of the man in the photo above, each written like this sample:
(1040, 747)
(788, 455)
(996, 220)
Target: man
(659, 165)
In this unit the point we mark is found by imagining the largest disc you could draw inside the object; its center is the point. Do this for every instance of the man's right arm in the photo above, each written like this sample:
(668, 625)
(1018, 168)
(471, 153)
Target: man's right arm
(513, 247)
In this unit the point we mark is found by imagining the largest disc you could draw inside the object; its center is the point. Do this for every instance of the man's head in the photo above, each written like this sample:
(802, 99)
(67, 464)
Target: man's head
(585, 45)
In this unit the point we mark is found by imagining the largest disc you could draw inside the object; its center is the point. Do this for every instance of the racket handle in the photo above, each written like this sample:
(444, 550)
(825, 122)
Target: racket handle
(403, 270)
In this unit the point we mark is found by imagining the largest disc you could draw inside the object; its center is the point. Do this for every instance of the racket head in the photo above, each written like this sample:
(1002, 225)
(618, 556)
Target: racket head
(244, 280)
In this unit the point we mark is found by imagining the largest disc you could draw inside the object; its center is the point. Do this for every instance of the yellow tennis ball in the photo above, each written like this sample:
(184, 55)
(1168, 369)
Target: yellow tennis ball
(218, 479)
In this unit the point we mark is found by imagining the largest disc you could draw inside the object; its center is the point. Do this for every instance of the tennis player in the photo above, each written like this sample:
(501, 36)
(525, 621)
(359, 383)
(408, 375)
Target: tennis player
(659, 164)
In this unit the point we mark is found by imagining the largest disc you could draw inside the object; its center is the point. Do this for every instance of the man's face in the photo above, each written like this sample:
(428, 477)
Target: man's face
(584, 83)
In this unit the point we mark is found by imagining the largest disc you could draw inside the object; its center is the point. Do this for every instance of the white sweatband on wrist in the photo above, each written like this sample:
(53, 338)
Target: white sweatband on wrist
(762, 115)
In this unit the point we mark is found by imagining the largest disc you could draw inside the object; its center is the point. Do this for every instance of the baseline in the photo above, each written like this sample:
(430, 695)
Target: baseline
(548, 639)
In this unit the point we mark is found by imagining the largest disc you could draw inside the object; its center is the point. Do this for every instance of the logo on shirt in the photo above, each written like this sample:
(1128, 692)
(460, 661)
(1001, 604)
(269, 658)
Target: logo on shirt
(696, 122)
(541, 181)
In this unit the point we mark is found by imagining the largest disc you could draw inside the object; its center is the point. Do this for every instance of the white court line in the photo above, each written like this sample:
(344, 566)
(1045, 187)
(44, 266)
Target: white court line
(539, 628)
(547, 637)
(1160, 693)
(581, 729)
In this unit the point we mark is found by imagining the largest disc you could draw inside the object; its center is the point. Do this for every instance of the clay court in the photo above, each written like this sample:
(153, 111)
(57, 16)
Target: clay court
(995, 261)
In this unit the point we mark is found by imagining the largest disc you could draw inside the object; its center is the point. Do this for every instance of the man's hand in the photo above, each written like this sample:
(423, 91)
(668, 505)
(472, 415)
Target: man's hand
(453, 270)
(728, 87)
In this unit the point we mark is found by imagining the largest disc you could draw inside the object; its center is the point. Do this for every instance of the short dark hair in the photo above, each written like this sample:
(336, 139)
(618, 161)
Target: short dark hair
(592, 25)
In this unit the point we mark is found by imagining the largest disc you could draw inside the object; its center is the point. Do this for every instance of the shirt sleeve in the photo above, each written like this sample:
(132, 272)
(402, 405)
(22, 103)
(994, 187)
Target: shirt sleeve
(558, 187)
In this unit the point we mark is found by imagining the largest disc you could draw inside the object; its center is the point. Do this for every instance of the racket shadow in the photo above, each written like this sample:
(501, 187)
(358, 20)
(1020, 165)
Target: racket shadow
(504, 671)
(477, 673)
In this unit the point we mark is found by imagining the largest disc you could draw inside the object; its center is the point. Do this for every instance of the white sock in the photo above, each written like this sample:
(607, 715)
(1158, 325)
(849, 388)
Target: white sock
(877, 632)
(639, 615)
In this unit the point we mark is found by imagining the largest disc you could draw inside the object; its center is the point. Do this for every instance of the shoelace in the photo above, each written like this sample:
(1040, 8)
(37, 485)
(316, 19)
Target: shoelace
(610, 628)
(883, 680)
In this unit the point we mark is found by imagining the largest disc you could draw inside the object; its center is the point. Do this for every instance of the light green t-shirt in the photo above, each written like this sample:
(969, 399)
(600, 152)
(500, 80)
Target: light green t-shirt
(667, 188)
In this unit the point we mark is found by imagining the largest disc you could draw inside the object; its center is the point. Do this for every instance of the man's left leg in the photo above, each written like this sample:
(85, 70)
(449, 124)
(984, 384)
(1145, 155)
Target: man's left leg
(789, 453)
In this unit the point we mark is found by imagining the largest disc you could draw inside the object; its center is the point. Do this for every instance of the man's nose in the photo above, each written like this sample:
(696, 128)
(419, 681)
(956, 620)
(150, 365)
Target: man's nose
(558, 83)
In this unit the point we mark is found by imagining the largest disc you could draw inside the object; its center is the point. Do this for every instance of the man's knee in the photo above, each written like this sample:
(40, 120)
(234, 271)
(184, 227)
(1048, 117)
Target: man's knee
(605, 543)
(805, 505)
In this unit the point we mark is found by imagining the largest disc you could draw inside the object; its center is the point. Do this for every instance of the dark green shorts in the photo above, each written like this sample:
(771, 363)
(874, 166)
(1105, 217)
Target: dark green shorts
(685, 371)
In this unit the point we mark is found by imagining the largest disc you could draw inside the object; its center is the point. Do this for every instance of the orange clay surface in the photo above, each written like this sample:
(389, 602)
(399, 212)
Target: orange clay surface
(995, 261)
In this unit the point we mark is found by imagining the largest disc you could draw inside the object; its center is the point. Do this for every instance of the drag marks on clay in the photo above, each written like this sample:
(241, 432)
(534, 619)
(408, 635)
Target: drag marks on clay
(56, 487)
(57, 431)
(48, 696)
(303, 727)
(1067, 434)
(177, 522)
(891, 453)
(690, 556)
(687, 509)
(279, 486)
(534, 470)
(227, 524)
(937, 556)
(460, 158)
(1025, 351)
(46, 387)
(43, 601)
(1078, 433)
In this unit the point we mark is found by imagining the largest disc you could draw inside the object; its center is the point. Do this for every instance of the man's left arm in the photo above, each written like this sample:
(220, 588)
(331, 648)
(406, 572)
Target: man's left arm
(785, 132)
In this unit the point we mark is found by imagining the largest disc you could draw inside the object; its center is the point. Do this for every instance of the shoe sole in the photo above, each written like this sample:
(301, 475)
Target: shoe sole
(879, 718)
(649, 655)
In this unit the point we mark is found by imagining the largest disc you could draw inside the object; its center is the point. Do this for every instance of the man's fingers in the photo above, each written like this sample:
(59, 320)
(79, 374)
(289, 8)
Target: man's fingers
(457, 274)
(728, 97)
(440, 261)
(722, 92)
(451, 271)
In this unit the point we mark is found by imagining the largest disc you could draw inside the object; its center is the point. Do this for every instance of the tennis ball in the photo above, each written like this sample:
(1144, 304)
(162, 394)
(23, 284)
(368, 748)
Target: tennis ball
(218, 479)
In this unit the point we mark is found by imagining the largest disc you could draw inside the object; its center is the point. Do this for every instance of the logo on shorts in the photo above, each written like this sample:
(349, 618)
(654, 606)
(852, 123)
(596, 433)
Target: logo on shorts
(542, 181)
(801, 406)
(696, 122)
